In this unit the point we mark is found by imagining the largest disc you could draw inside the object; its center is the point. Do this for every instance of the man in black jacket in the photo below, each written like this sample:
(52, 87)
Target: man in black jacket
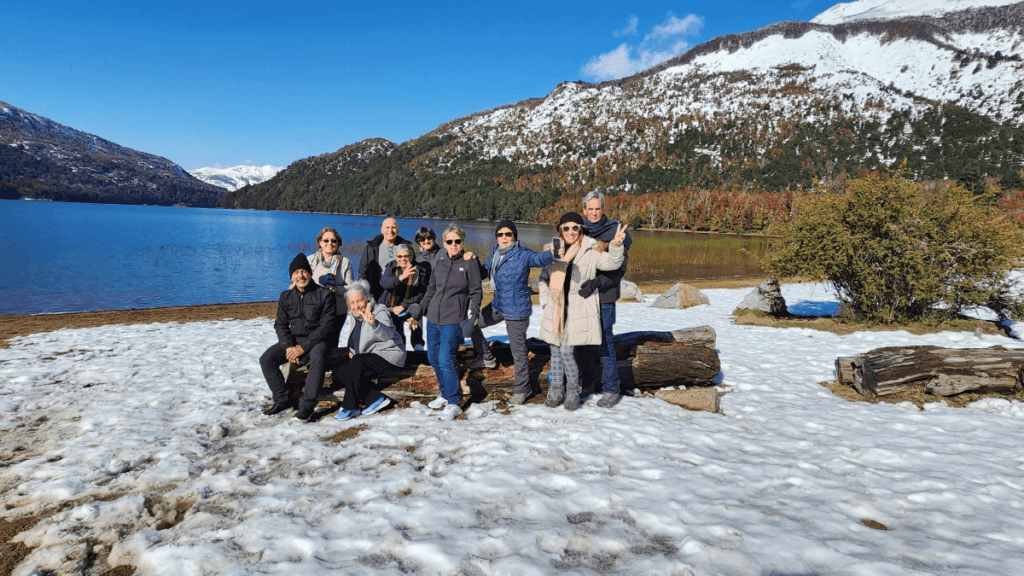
(606, 284)
(378, 253)
(306, 318)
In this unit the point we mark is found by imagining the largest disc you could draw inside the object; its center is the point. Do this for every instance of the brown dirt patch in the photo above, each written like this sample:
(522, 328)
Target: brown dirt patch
(916, 397)
(13, 553)
(829, 324)
(120, 571)
(346, 434)
(873, 524)
(11, 326)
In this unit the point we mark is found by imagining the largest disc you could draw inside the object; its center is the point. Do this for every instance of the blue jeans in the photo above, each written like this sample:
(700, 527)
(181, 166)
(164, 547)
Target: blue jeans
(609, 365)
(442, 344)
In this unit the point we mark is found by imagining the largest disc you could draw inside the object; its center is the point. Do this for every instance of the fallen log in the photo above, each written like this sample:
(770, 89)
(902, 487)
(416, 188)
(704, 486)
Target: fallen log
(646, 360)
(939, 371)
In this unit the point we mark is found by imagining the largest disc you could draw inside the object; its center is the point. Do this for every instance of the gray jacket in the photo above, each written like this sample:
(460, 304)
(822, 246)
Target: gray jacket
(454, 288)
(381, 339)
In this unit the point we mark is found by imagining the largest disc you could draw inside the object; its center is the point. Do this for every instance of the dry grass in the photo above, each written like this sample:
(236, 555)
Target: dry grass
(836, 326)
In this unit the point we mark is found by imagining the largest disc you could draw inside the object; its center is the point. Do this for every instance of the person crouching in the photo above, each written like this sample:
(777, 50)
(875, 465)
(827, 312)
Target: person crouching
(306, 319)
(375, 348)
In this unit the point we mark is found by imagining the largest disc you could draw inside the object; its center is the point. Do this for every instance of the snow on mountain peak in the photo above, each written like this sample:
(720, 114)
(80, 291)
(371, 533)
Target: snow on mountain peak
(237, 176)
(886, 9)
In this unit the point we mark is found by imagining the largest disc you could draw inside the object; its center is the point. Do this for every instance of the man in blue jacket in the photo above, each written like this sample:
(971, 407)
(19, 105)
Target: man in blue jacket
(508, 269)
(306, 318)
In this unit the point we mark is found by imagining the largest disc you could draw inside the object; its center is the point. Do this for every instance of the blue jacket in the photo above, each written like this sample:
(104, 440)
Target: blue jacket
(511, 280)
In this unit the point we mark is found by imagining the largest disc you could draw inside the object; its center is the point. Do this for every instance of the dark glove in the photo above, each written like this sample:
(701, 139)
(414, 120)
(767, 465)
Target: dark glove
(414, 311)
(588, 288)
(326, 279)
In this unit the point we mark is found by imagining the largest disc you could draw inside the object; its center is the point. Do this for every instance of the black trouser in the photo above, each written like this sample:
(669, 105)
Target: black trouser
(271, 362)
(356, 377)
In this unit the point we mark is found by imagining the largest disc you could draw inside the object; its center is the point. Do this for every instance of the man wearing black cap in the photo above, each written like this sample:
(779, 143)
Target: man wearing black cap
(509, 270)
(306, 318)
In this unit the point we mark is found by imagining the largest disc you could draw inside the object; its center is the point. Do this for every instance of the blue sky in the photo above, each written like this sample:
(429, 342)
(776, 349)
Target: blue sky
(224, 83)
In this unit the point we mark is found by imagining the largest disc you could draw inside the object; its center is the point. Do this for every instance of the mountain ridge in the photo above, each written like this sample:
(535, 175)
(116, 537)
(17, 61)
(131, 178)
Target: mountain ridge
(43, 159)
(790, 106)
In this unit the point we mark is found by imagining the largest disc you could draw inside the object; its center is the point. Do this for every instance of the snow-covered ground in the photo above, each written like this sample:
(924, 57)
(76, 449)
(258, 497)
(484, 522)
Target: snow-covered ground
(133, 422)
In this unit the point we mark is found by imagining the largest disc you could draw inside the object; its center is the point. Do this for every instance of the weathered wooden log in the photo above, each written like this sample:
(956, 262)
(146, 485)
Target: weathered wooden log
(940, 371)
(657, 365)
(646, 360)
(844, 371)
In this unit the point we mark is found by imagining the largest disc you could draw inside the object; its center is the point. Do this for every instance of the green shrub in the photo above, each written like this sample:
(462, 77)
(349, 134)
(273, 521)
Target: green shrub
(895, 252)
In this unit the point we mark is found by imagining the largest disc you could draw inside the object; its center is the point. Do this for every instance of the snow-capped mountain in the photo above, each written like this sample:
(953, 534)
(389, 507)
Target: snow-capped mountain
(863, 87)
(887, 9)
(237, 176)
(40, 158)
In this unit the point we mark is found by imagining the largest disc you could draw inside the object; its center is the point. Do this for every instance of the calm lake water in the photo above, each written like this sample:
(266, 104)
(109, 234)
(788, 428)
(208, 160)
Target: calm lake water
(64, 257)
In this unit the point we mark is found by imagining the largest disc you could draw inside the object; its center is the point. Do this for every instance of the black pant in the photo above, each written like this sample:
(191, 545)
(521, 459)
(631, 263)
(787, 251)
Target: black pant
(356, 376)
(271, 362)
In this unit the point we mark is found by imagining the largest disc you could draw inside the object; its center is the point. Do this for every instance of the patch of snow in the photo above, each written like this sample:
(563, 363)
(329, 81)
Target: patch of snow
(134, 421)
(237, 176)
(888, 9)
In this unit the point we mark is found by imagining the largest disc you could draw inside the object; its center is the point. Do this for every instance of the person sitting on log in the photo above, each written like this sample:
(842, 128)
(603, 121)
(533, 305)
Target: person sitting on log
(404, 282)
(306, 320)
(375, 348)
(570, 319)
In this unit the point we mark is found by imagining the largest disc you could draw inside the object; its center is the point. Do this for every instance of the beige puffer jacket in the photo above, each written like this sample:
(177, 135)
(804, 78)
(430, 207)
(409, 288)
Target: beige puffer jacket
(583, 320)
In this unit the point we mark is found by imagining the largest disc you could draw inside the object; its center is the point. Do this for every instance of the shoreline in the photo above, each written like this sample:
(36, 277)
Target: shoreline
(25, 324)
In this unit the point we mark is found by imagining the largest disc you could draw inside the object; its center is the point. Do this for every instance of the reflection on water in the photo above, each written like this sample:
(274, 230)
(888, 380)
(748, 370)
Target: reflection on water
(58, 257)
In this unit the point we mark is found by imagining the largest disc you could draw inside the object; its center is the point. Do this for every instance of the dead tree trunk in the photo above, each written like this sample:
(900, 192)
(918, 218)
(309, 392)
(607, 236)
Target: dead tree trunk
(939, 371)
(646, 360)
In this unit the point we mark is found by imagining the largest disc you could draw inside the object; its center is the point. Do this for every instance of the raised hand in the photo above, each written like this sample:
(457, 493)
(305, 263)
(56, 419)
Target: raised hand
(620, 235)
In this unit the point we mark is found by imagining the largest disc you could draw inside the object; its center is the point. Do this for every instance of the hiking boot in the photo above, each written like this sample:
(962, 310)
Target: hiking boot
(305, 414)
(437, 403)
(450, 412)
(377, 405)
(489, 363)
(346, 414)
(608, 400)
(572, 401)
(553, 401)
(279, 407)
(518, 398)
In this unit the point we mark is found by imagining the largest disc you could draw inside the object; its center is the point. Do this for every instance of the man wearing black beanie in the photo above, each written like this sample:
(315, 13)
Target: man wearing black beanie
(306, 318)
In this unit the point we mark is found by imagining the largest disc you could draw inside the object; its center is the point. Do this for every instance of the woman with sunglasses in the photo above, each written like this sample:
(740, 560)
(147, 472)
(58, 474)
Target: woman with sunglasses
(332, 271)
(404, 282)
(454, 288)
(509, 271)
(569, 319)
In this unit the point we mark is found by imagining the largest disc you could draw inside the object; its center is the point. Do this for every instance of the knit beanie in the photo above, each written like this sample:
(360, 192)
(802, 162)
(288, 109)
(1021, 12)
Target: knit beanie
(510, 225)
(572, 217)
(299, 263)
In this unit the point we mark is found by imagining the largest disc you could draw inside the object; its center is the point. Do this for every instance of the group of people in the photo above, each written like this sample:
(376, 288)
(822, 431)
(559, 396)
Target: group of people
(439, 292)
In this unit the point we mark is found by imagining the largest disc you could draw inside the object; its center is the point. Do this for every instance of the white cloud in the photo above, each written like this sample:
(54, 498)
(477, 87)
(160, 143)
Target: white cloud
(662, 43)
(248, 161)
(674, 26)
(630, 28)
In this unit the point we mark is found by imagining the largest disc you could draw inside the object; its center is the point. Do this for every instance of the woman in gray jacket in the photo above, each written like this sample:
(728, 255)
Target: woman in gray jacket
(375, 347)
(452, 304)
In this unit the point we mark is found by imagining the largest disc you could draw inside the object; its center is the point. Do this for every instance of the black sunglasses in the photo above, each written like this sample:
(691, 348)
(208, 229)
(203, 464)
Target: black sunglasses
(455, 241)
(503, 234)
(330, 240)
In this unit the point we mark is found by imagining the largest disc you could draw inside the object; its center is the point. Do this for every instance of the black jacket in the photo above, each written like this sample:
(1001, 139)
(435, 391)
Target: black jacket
(369, 266)
(608, 282)
(398, 292)
(306, 318)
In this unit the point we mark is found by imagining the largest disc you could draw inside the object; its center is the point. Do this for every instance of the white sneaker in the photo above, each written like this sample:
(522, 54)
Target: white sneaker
(436, 403)
(450, 412)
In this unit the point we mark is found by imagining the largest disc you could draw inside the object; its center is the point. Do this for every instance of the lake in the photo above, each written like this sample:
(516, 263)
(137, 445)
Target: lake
(68, 257)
